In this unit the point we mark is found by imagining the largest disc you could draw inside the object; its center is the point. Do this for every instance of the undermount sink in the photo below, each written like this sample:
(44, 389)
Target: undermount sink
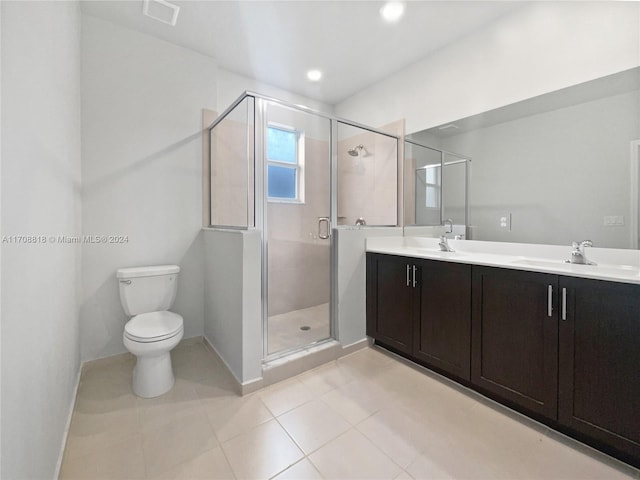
(437, 251)
(601, 269)
(535, 262)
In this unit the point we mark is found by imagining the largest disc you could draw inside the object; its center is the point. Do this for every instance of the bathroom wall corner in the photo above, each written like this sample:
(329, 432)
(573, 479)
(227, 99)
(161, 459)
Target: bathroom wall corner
(351, 278)
(40, 183)
(142, 101)
(65, 434)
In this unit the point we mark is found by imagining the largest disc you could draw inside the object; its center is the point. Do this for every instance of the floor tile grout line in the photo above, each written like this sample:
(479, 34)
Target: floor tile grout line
(249, 429)
(304, 454)
(357, 375)
(226, 458)
(324, 444)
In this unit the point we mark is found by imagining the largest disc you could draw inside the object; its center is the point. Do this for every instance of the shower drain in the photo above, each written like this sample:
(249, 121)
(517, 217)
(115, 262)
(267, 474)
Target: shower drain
(305, 328)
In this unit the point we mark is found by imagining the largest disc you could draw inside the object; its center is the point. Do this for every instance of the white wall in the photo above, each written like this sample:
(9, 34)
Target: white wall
(0, 236)
(232, 85)
(223, 302)
(540, 47)
(351, 279)
(557, 173)
(233, 312)
(142, 101)
(40, 196)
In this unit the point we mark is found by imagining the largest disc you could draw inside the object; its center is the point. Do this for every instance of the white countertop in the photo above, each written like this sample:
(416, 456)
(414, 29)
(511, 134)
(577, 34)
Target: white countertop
(617, 265)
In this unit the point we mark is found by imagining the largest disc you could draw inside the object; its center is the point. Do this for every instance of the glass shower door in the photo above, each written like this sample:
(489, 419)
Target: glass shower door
(297, 228)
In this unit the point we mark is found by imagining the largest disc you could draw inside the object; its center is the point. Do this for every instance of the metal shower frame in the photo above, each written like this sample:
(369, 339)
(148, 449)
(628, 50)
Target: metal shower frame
(257, 203)
(463, 159)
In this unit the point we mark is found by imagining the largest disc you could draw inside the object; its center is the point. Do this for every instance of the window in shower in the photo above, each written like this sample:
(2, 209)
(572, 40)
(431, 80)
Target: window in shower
(432, 186)
(285, 164)
(297, 257)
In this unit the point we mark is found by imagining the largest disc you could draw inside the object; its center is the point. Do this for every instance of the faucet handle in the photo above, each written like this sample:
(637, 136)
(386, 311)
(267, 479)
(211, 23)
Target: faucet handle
(584, 243)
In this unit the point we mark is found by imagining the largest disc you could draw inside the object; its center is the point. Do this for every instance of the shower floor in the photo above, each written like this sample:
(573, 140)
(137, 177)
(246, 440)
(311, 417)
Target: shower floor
(285, 329)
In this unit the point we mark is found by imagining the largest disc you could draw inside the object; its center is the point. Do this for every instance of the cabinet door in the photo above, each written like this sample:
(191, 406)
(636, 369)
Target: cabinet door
(600, 362)
(391, 300)
(442, 337)
(514, 339)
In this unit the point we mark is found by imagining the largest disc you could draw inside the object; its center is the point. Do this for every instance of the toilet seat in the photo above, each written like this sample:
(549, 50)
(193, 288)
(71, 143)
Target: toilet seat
(153, 327)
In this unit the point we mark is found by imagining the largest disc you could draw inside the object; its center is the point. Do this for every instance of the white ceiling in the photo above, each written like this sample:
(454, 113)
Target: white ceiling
(276, 42)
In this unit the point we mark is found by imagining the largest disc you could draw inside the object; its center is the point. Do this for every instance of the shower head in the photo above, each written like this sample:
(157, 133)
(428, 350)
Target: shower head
(355, 151)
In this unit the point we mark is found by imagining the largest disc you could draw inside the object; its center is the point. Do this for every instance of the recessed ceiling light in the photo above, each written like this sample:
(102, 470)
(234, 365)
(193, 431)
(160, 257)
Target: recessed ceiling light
(161, 10)
(314, 75)
(392, 11)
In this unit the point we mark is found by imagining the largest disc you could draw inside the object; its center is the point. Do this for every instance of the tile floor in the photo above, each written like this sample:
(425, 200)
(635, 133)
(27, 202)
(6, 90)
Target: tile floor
(285, 332)
(366, 416)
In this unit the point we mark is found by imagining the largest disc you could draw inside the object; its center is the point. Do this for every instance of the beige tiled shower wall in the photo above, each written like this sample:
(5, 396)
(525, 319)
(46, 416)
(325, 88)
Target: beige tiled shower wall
(299, 260)
(231, 184)
(367, 184)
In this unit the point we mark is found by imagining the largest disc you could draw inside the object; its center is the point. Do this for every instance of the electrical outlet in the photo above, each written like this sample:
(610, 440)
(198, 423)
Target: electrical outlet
(505, 221)
(613, 220)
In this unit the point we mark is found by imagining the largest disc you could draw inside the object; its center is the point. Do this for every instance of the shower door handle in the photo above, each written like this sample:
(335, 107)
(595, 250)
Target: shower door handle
(327, 232)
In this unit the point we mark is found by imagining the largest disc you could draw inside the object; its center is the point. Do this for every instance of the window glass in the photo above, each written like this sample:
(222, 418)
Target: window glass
(281, 182)
(281, 145)
(284, 165)
(432, 186)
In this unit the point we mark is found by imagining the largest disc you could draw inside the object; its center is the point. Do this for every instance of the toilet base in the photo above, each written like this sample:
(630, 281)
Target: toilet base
(153, 376)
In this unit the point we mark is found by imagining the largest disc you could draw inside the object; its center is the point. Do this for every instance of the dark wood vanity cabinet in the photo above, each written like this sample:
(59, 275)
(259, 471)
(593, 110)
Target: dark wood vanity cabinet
(515, 337)
(392, 300)
(564, 350)
(442, 335)
(421, 308)
(599, 362)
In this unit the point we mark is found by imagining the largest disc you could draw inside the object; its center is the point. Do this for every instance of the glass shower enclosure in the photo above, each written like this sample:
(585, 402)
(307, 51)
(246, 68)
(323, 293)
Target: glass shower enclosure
(275, 167)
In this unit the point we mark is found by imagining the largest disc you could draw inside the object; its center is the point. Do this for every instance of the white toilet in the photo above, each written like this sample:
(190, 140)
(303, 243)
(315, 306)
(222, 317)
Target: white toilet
(146, 294)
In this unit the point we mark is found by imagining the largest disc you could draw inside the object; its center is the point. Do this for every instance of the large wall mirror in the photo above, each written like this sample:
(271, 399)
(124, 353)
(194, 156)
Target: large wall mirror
(555, 168)
(435, 188)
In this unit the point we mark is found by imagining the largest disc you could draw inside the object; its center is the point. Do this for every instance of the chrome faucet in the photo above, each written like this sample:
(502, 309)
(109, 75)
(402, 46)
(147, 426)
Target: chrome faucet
(444, 245)
(450, 222)
(578, 255)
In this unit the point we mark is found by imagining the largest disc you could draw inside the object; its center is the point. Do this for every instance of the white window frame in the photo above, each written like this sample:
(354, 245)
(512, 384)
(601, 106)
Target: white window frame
(298, 166)
(436, 187)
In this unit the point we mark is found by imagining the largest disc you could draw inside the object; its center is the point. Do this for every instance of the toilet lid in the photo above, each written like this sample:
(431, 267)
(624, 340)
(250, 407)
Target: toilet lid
(153, 326)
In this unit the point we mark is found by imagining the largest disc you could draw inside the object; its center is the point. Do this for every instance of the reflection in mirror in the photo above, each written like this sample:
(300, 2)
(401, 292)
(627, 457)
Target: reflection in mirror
(552, 169)
(435, 188)
(454, 193)
(423, 186)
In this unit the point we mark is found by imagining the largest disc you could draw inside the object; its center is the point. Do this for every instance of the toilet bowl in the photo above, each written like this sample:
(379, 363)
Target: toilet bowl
(146, 294)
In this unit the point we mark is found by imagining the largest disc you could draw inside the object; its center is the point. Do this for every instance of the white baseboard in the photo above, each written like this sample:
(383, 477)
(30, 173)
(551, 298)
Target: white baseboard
(209, 345)
(65, 434)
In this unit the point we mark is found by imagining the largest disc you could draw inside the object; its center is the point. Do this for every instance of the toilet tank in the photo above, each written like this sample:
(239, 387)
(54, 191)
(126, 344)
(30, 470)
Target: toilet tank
(147, 289)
